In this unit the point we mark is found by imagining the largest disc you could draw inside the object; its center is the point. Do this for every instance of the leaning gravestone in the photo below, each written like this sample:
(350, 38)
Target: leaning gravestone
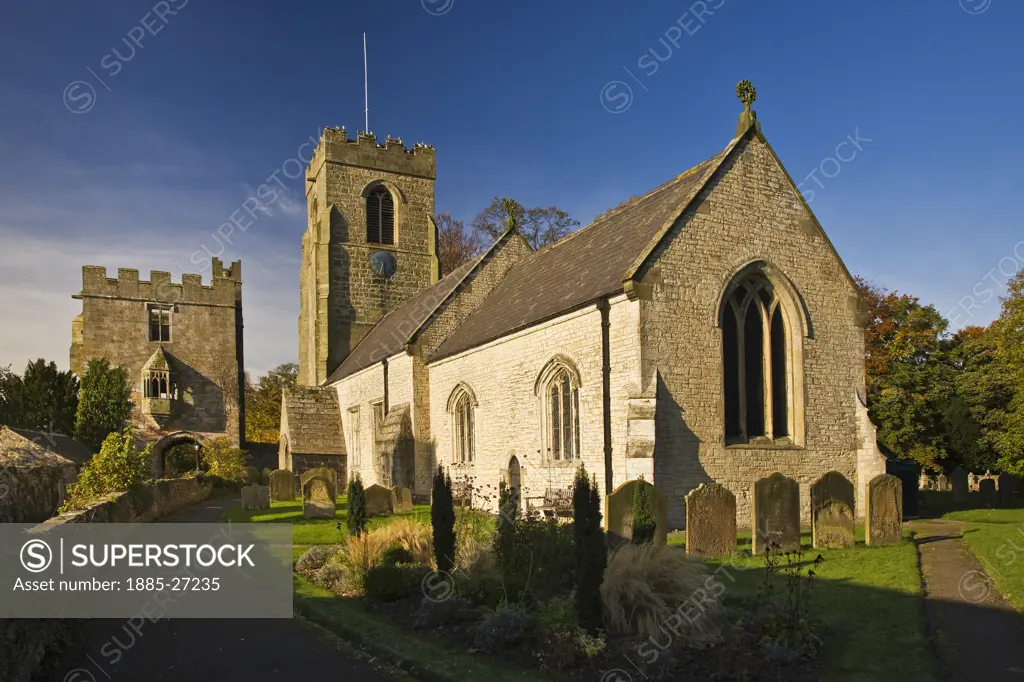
(1005, 490)
(775, 512)
(832, 511)
(318, 498)
(255, 497)
(618, 512)
(324, 472)
(402, 501)
(989, 495)
(883, 522)
(282, 485)
(379, 501)
(961, 491)
(943, 483)
(710, 521)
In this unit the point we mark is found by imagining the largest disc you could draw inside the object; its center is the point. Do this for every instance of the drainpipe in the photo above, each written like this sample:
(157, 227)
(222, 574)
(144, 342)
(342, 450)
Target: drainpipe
(384, 364)
(606, 392)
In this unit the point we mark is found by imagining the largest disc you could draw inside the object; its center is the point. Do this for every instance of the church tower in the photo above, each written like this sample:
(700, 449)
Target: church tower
(370, 242)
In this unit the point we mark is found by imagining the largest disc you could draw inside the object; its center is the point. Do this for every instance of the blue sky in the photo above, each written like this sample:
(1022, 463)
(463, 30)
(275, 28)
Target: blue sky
(134, 158)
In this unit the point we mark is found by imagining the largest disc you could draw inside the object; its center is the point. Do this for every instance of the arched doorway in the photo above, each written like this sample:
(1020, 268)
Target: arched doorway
(175, 450)
(515, 480)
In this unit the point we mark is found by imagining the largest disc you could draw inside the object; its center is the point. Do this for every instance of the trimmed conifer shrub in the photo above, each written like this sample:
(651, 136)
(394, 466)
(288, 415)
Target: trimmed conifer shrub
(442, 520)
(589, 548)
(644, 524)
(356, 519)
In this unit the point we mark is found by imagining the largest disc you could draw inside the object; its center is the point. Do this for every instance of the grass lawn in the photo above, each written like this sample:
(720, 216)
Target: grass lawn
(987, 516)
(306, 532)
(870, 601)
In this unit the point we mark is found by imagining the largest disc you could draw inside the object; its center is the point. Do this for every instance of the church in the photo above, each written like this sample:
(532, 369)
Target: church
(706, 331)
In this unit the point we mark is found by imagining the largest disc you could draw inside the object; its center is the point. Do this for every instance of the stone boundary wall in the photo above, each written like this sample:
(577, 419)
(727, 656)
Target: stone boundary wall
(24, 642)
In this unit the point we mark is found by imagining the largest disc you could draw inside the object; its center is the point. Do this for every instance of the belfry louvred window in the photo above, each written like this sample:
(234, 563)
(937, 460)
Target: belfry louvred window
(380, 217)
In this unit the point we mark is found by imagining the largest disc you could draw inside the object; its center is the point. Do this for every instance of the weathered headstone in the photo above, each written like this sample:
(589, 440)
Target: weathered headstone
(775, 512)
(324, 472)
(403, 499)
(282, 485)
(1005, 482)
(256, 497)
(989, 495)
(618, 512)
(317, 498)
(379, 501)
(883, 522)
(961, 491)
(943, 483)
(710, 521)
(832, 511)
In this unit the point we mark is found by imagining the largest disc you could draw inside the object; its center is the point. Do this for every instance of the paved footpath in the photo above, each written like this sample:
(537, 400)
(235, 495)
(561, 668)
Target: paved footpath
(976, 633)
(207, 650)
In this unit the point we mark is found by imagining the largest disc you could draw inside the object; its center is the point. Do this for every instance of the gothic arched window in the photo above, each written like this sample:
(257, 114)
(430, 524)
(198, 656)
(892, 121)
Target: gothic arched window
(559, 388)
(461, 405)
(380, 216)
(757, 372)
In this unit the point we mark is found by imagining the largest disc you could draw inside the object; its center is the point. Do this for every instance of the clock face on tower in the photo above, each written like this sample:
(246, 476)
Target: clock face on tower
(383, 263)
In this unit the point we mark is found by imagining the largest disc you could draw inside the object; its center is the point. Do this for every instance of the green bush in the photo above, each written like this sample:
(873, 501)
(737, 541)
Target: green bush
(394, 582)
(356, 519)
(252, 476)
(104, 404)
(644, 524)
(503, 628)
(224, 460)
(442, 521)
(397, 555)
(117, 467)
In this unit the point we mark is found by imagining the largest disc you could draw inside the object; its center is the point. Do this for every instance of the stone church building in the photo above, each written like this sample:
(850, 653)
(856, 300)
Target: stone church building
(704, 331)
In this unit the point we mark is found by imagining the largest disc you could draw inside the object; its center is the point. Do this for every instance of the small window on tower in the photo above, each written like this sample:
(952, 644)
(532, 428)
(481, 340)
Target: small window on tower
(380, 217)
(159, 323)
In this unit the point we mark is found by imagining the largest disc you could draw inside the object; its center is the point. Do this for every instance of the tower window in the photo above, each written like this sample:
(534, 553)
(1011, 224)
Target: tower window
(380, 216)
(159, 323)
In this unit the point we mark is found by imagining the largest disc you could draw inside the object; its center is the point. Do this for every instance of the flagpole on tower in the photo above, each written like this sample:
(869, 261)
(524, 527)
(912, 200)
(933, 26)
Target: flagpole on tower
(366, 86)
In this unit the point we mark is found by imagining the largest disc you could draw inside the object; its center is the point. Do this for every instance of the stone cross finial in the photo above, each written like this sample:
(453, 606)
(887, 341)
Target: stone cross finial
(746, 93)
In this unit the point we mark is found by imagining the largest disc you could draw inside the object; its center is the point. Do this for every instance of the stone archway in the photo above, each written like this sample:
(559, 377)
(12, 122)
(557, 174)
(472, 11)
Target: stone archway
(163, 446)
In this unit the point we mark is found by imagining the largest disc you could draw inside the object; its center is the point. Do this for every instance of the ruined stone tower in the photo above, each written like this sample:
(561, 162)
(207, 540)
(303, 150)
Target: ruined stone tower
(370, 242)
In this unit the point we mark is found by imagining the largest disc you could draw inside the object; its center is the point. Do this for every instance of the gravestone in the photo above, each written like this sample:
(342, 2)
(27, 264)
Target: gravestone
(775, 514)
(324, 472)
(989, 495)
(832, 511)
(710, 521)
(1005, 482)
(282, 485)
(961, 492)
(943, 483)
(618, 512)
(318, 498)
(255, 497)
(883, 522)
(403, 499)
(379, 501)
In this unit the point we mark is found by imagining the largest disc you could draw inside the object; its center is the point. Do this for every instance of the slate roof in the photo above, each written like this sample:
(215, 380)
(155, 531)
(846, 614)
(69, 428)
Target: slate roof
(395, 329)
(397, 425)
(314, 421)
(22, 448)
(584, 266)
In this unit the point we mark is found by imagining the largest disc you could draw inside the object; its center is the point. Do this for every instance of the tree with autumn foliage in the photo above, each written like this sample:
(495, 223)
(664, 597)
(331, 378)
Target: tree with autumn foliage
(910, 382)
(263, 403)
(539, 226)
(1008, 333)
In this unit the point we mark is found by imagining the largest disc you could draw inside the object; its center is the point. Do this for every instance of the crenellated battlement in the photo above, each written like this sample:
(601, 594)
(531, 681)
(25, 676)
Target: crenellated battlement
(365, 151)
(225, 288)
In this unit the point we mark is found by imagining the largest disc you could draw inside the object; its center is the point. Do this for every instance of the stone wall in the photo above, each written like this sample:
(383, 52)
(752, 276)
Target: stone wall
(748, 213)
(341, 298)
(32, 495)
(204, 351)
(356, 393)
(24, 642)
(503, 376)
